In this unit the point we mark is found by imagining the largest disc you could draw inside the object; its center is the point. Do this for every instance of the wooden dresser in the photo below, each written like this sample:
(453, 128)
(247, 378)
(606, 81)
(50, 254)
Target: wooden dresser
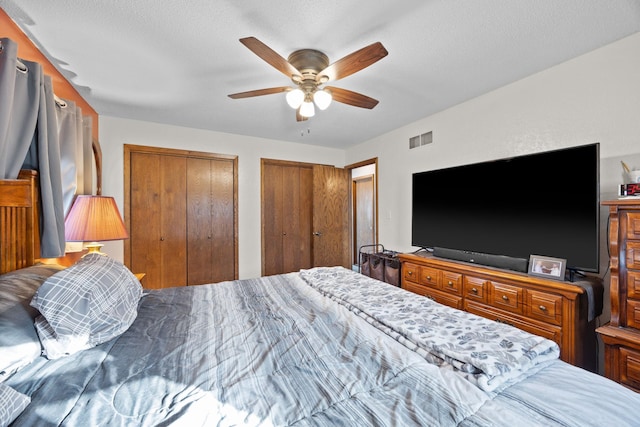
(621, 336)
(553, 309)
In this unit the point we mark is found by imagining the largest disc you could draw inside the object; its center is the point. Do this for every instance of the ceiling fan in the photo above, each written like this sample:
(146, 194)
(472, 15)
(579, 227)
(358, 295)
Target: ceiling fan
(309, 69)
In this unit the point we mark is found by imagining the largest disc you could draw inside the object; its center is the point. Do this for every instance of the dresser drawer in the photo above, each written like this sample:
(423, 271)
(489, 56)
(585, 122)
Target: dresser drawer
(630, 367)
(633, 284)
(452, 282)
(410, 272)
(507, 297)
(633, 255)
(429, 277)
(437, 296)
(476, 289)
(633, 225)
(544, 306)
(633, 314)
(551, 332)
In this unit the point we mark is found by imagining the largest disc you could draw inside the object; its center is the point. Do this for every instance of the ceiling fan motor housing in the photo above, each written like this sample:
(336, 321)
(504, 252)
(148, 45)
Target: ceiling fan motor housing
(309, 62)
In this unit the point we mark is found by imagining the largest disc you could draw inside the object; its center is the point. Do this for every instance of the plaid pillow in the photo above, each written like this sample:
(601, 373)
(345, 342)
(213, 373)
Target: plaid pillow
(12, 403)
(87, 304)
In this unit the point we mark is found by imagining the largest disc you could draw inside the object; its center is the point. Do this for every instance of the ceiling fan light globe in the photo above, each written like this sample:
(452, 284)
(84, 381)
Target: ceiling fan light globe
(295, 98)
(323, 99)
(307, 109)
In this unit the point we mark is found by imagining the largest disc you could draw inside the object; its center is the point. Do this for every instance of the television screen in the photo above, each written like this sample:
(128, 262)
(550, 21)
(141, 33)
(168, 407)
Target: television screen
(539, 204)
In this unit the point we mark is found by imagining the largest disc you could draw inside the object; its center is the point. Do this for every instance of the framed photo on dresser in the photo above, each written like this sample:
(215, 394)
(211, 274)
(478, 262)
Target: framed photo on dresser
(543, 266)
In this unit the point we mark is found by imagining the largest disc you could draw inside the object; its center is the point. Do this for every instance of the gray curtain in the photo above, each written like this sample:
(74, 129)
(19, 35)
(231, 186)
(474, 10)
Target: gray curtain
(69, 139)
(44, 156)
(20, 84)
(42, 132)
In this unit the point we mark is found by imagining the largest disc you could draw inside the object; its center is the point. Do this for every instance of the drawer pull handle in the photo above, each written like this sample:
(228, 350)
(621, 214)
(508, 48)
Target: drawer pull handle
(429, 278)
(474, 290)
(410, 273)
(450, 283)
(504, 297)
(542, 308)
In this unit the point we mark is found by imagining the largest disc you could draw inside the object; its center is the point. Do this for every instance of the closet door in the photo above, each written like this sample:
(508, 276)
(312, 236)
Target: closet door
(296, 218)
(286, 216)
(305, 216)
(181, 214)
(157, 223)
(211, 230)
(272, 227)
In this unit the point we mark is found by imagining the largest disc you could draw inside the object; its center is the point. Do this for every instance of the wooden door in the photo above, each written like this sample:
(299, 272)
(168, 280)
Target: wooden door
(331, 216)
(157, 224)
(363, 214)
(271, 212)
(181, 214)
(296, 218)
(286, 216)
(211, 232)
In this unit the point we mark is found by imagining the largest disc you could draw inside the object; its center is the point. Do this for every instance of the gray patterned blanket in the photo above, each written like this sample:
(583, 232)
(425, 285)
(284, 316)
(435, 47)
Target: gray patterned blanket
(485, 352)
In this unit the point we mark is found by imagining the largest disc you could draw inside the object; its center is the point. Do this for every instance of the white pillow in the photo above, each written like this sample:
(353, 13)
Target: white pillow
(87, 304)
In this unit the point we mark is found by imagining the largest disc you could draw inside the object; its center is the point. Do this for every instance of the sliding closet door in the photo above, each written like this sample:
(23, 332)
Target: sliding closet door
(157, 222)
(210, 221)
(181, 213)
(305, 216)
(286, 216)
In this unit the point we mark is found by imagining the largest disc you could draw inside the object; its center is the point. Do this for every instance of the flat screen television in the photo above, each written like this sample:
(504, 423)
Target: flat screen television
(543, 204)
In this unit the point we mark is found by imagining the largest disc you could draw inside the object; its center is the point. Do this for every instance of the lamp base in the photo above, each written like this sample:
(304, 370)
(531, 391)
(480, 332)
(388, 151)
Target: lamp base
(94, 248)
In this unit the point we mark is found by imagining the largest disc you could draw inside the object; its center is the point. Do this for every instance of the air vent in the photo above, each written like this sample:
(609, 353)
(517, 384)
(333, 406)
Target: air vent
(420, 140)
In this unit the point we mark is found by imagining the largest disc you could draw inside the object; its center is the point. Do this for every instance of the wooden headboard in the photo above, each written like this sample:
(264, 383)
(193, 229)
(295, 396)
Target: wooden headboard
(19, 236)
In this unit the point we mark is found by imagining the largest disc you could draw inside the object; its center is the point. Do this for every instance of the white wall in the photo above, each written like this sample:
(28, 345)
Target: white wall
(114, 133)
(593, 98)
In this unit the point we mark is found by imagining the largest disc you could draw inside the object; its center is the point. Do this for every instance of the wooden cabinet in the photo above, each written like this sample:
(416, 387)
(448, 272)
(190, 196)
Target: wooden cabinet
(552, 309)
(305, 216)
(621, 336)
(181, 214)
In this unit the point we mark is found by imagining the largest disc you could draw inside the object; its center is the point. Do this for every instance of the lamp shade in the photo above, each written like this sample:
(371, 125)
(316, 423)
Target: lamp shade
(322, 98)
(295, 98)
(307, 109)
(93, 219)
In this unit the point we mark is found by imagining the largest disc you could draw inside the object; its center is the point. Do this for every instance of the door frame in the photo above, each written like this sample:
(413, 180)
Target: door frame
(350, 167)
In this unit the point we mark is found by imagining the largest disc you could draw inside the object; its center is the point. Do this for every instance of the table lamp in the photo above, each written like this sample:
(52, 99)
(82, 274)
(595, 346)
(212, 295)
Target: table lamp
(93, 219)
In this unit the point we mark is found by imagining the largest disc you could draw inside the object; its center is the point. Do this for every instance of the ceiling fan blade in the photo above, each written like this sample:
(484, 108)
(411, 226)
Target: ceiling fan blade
(270, 56)
(353, 62)
(300, 117)
(352, 98)
(259, 92)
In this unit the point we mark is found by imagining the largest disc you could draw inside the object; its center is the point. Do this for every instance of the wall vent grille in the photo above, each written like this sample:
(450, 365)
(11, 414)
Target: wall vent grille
(420, 140)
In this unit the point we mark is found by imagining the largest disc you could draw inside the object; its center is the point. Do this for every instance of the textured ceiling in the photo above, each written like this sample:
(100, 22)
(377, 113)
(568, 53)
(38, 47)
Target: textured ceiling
(176, 61)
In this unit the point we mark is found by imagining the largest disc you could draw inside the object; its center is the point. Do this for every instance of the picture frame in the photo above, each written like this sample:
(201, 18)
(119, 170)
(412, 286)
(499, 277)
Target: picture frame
(544, 266)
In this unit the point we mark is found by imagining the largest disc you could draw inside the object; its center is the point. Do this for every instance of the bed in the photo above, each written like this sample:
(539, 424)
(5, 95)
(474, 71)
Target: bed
(320, 347)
